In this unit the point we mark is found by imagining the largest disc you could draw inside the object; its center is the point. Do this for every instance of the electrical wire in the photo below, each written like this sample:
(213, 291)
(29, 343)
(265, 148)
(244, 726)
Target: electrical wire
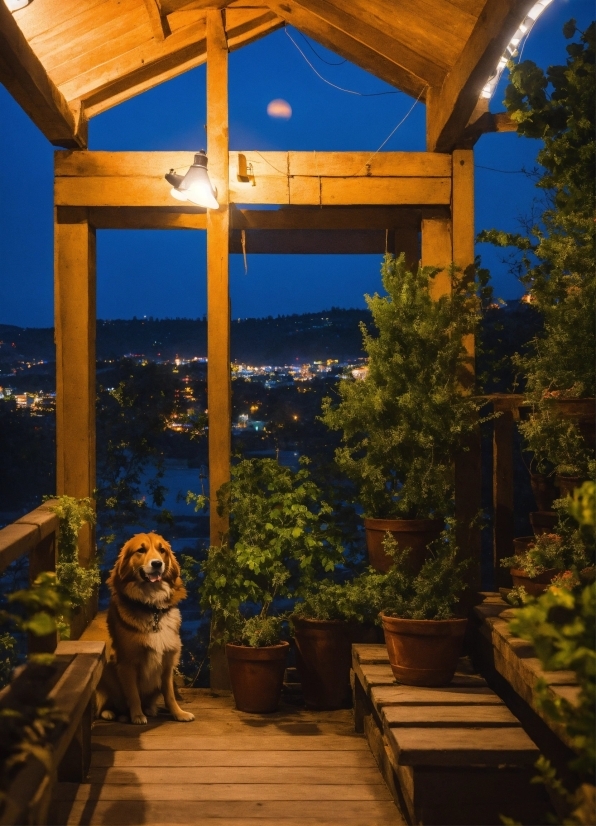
(334, 85)
(314, 51)
(504, 171)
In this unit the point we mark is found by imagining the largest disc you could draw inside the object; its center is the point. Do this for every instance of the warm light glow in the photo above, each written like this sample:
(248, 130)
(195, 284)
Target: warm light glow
(15, 5)
(195, 186)
(511, 50)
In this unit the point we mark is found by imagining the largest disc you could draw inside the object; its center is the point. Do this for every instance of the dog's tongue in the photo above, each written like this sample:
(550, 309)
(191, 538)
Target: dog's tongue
(154, 577)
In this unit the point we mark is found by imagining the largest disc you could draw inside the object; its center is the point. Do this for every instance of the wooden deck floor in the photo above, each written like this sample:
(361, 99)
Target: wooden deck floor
(292, 768)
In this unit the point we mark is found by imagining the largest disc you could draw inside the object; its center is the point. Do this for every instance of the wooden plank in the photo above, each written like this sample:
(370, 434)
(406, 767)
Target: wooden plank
(15, 541)
(503, 524)
(370, 653)
(463, 746)
(224, 726)
(311, 242)
(24, 76)
(254, 757)
(408, 695)
(231, 812)
(159, 21)
(437, 251)
(219, 393)
(355, 39)
(449, 715)
(409, 191)
(401, 219)
(450, 105)
(242, 775)
(134, 70)
(125, 740)
(148, 218)
(75, 317)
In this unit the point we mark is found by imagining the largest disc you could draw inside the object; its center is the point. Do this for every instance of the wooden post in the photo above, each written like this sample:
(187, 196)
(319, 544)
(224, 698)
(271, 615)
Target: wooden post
(219, 389)
(503, 529)
(468, 465)
(437, 251)
(75, 318)
(42, 558)
(218, 299)
(409, 243)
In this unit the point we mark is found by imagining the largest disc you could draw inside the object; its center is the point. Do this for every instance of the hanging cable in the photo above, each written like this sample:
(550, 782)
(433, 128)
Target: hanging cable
(335, 86)
(314, 51)
(243, 242)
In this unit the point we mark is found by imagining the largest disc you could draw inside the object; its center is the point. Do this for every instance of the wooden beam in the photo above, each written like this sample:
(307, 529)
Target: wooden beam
(320, 242)
(437, 251)
(218, 298)
(129, 179)
(352, 37)
(338, 218)
(487, 122)
(503, 500)
(147, 218)
(75, 318)
(25, 78)
(449, 106)
(151, 62)
(159, 21)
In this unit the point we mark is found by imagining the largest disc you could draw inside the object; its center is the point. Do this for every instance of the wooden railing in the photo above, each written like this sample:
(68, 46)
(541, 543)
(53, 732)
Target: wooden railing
(33, 535)
(76, 670)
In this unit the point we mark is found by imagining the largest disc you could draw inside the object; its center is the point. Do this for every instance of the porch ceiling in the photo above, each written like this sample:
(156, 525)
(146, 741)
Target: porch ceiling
(95, 54)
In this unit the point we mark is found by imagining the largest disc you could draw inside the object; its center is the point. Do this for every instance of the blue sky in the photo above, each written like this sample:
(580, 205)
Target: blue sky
(163, 273)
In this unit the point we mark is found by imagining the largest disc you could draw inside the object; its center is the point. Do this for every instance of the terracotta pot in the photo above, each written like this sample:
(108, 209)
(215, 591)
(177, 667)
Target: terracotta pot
(543, 522)
(424, 652)
(582, 412)
(544, 490)
(257, 676)
(323, 660)
(522, 543)
(534, 585)
(567, 484)
(408, 533)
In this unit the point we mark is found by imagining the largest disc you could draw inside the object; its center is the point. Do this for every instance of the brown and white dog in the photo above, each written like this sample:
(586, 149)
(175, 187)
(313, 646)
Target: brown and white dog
(144, 624)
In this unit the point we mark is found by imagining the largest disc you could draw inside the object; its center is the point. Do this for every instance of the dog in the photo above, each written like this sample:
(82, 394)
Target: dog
(144, 625)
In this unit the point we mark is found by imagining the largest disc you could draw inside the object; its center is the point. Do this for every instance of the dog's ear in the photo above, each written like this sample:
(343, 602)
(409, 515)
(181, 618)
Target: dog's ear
(172, 572)
(117, 573)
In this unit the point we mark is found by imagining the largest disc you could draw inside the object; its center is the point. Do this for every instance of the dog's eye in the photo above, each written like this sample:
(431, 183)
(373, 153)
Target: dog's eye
(138, 552)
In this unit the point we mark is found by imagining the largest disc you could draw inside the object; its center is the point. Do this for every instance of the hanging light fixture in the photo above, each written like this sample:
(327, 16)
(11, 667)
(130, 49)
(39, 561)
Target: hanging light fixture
(15, 5)
(195, 186)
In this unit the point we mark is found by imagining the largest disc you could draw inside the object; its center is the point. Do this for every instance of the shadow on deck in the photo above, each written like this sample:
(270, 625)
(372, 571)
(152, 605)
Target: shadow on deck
(291, 768)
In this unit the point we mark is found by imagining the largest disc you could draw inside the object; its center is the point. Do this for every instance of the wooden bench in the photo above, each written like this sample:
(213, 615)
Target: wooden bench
(77, 668)
(452, 755)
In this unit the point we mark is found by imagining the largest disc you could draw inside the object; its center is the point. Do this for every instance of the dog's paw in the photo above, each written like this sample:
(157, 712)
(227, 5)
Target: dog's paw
(184, 717)
(139, 720)
(106, 714)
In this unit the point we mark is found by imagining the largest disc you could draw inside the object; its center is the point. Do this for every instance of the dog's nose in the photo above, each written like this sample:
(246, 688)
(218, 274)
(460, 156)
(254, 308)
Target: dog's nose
(156, 563)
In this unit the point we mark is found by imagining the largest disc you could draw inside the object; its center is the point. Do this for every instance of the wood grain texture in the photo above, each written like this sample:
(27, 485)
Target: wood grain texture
(449, 715)
(252, 758)
(463, 746)
(27, 80)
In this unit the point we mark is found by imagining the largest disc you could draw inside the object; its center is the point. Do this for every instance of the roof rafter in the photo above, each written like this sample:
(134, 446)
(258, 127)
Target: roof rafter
(450, 106)
(361, 43)
(25, 78)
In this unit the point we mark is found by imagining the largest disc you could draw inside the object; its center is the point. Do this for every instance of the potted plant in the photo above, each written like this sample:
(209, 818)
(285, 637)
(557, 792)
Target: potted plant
(406, 419)
(539, 560)
(280, 543)
(326, 622)
(423, 633)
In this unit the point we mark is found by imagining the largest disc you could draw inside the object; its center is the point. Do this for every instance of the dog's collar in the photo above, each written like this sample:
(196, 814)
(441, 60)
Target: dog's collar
(155, 612)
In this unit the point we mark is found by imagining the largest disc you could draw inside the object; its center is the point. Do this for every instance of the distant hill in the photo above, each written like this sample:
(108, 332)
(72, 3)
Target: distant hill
(309, 337)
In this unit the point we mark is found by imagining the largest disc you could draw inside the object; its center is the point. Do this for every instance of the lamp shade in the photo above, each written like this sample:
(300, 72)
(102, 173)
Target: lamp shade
(195, 186)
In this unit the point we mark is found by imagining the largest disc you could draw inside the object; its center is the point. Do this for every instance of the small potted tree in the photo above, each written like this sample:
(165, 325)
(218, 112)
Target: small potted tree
(423, 633)
(326, 622)
(280, 543)
(405, 421)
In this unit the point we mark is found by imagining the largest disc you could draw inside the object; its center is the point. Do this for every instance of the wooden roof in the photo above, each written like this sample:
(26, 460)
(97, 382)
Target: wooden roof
(68, 60)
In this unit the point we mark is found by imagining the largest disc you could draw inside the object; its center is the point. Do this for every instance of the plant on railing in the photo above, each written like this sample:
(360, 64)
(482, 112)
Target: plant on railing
(27, 719)
(560, 625)
(280, 543)
(77, 582)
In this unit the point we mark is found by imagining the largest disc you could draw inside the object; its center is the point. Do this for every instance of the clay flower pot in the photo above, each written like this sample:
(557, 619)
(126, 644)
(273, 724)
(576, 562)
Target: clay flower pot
(424, 652)
(535, 585)
(567, 484)
(257, 676)
(408, 533)
(323, 660)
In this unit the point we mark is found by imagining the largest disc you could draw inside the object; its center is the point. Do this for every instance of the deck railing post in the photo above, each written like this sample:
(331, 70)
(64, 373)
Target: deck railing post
(42, 558)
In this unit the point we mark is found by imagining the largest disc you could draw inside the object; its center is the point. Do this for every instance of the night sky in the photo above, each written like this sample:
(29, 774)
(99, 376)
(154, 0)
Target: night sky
(162, 274)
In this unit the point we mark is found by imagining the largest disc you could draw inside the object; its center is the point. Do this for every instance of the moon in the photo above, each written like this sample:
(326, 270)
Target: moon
(279, 108)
